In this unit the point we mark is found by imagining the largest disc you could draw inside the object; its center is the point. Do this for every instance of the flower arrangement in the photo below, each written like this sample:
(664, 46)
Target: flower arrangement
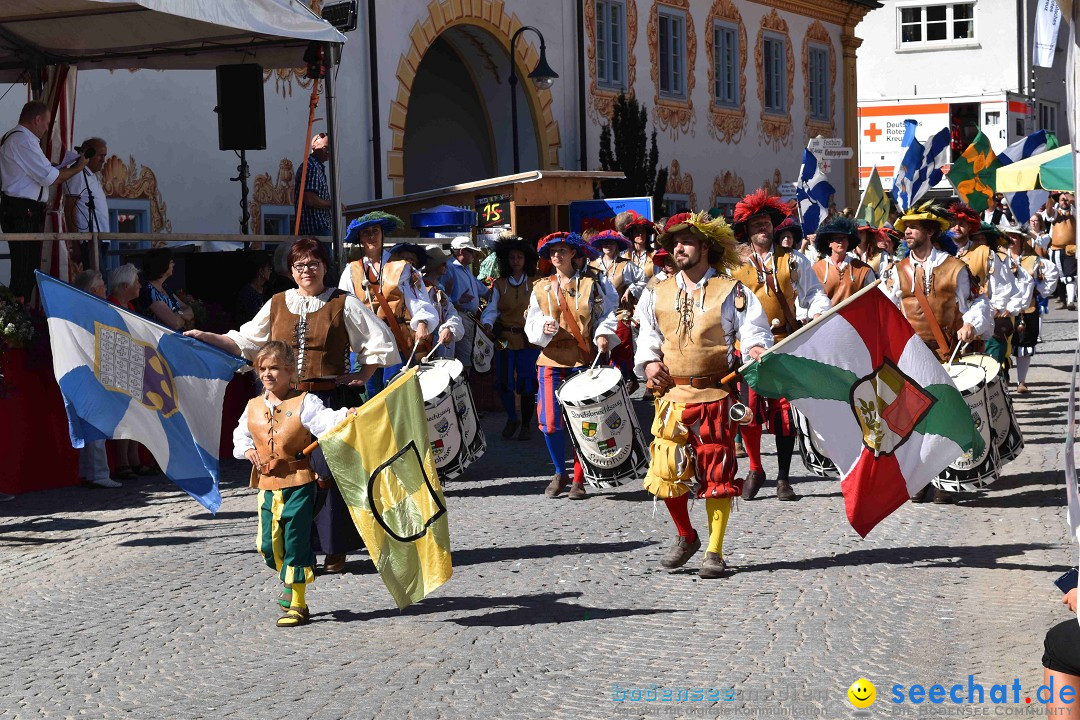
(18, 329)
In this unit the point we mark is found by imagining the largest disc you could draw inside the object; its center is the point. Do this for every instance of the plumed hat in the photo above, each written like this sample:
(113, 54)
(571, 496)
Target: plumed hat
(758, 203)
(597, 241)
(715, 233)
(963, 214)
(994, 235)
(789, 224)
(543, 248)
(389, 223)
(929, 212)
(837, 225)
(505, 244)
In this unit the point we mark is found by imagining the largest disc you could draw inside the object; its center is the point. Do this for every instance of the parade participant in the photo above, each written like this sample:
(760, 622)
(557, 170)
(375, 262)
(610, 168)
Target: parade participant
(778, 278)
(465, 292)
(788, 234)
(689, 323)
(274, 429)
(1020, 256)
(884, 249)
(936, 293)
(978, 249)
(571, 316)
(450, 327)
(504, 318)
(866, 238)
(1063, 247)
(627, 279)
(638, 229)
(840, 274)
(665, 266)
(392, 289)
(320, 324)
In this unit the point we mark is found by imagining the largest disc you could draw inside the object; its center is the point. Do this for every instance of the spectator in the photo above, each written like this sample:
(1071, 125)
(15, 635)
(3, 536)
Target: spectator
(155, 300)
(25, 177)
(253, 295)
(84, 189)
(93, 461)
(315, 215)
(1061, 661)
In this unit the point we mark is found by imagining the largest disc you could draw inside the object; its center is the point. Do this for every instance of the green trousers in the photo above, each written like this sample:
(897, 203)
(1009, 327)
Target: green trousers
(284, 537)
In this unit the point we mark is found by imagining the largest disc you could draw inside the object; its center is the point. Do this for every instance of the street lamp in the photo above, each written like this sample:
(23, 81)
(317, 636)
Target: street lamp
(542, 76)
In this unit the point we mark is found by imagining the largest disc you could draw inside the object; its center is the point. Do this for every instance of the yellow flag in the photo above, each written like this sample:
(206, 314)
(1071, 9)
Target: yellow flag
(383, 464)
(874, 207)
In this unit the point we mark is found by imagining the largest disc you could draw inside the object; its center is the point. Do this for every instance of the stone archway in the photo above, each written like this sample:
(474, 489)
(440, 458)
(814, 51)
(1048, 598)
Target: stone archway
(498, 22)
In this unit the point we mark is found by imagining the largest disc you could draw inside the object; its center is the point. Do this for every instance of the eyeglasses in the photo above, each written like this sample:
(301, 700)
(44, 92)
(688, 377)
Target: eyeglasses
(301, 267)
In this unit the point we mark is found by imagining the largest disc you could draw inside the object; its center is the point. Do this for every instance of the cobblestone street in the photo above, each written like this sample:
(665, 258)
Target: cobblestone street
(137, 603)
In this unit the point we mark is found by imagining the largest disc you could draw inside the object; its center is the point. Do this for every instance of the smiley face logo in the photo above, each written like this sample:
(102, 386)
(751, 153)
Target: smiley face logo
(862, 693)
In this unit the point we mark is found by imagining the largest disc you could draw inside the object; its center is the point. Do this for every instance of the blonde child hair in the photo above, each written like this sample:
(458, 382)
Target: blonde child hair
(277, 349)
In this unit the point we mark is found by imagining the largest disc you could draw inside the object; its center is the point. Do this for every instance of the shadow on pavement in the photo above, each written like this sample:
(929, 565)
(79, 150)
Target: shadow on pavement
(479, 556)
(980, 556)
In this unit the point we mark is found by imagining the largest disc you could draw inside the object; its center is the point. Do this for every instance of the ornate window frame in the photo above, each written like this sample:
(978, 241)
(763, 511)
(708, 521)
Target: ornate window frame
(726, 123)
(602, 99)
(727, 189)
(680, 185)
(774, 129)
(817, 35)
(669, 113)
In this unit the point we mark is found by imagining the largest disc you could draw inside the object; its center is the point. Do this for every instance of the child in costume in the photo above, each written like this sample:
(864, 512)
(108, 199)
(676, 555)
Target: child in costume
(275, 427)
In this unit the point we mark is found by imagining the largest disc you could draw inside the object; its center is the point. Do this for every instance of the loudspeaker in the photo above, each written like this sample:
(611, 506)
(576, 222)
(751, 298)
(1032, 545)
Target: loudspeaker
(241, 117)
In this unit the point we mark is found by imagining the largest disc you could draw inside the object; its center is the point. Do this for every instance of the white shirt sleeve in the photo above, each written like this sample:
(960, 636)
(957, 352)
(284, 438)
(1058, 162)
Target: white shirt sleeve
(417, 300)
(253, 334)
(649, 339)
(1001, 285)
(453, 322)
(345, 283)
(605, 320)
(976, 312)
(1049, 281)
(491, 310)
(29, 156)
(753, 323)
(317, 418)
(635, 280)
(535, 320)
(241, 437)
(369, 336)
(807, 286)
(870, 277)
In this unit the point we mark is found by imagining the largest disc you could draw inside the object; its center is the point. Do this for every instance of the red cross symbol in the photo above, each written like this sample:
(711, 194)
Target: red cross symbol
(872, 132)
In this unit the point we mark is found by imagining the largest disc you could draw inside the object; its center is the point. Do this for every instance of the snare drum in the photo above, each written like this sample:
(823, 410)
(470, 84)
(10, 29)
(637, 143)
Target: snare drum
(1009, 439)
(444, 430)
(603, 427)
(471, 433)
(483, 350)
(809, 441)
(968, 472)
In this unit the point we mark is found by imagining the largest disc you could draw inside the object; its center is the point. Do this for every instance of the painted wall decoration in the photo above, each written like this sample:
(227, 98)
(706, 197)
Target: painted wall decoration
(773, 184)
(672, 114)
(270, 191)
(681, 184)
(817, 34)
(602, 100)
(285, 77)
(774, 129)
(728, 184)
(133, 181)
(726, 124)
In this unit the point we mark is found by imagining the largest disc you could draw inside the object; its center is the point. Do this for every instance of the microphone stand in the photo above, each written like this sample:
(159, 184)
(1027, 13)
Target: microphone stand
(92, 224)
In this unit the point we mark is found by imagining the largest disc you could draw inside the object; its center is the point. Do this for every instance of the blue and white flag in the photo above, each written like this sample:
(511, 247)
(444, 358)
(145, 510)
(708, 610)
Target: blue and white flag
(1025, 204)
(124, 377)
(921, 168)
(812, 192)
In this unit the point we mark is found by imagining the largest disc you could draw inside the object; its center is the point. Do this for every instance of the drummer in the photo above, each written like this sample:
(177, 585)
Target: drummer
(779, 278)
(628, 281)
(689, 324)
(958, 312)
(1020, 257)
(504, 316)
(451, 329)
(571, 316)
(639, 230)
(841, 274)
(392, 289)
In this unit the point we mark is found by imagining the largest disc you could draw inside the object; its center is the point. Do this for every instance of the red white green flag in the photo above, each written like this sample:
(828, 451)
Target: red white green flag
(887, 412)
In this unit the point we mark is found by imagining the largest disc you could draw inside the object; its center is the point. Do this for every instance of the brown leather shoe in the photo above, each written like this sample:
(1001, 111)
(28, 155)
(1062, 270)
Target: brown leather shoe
(577, 491)
(680, 552)
(334, 564)
(784, 493)
(713, 566)
(1023, 388)
(754, 478)
(920, 497)
(557, 485)
(941, 497)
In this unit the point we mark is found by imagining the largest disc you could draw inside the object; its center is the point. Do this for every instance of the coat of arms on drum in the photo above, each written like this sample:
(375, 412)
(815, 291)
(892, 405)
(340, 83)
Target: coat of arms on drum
(442, 425)
(613, 421)
(607, 446)
(588, 429)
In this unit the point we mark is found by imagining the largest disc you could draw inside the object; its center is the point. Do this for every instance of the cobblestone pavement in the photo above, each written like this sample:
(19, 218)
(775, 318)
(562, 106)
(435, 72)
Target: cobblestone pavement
(136, 603)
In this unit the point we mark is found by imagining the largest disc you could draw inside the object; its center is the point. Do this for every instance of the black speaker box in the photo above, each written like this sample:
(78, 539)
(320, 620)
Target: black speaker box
(241, 116)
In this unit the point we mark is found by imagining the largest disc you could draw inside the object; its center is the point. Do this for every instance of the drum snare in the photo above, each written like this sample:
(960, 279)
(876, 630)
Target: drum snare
(969, 472)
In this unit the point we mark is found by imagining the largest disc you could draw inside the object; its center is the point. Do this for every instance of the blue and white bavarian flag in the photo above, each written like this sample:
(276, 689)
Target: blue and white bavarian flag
(127, 378)
(922, 166)
(812, 192)
(1026, 204)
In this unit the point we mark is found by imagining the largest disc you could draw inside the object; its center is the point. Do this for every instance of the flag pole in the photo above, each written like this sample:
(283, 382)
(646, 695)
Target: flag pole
(805, 328)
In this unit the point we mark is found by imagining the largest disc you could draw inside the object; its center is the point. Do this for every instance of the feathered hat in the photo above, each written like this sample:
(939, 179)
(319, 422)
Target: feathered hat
(789, 224)
(963, 214)
(543, 248)
(597, 241)
(505, 244)
(993, 234)
(660, 257)
(630, 220)
(890, 232)
(715, 233)
(759, 203)
(837, 225)
(418, 251)
(389, 223)
(929, 212)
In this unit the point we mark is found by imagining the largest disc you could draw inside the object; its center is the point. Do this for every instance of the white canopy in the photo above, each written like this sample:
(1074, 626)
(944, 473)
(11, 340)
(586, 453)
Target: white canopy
(160, 34)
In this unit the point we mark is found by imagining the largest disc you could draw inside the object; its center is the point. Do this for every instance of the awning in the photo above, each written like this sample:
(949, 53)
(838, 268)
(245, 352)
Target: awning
(157, 34)
(1050, 170)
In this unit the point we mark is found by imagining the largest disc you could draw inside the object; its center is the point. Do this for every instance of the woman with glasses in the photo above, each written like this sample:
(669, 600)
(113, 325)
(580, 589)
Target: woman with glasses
(321, 324)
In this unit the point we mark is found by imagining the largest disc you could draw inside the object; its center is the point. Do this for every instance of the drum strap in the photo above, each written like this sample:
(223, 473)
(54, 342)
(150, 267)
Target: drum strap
(572, 326)
(392, 321)
(924, 303)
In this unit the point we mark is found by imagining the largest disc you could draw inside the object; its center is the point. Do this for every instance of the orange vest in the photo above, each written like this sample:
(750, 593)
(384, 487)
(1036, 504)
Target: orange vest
(513, 304)
(278, 435)
(366, 285)
(760, 282)
(942, 300)
(326, 342)
(580, 299)
(839, 286)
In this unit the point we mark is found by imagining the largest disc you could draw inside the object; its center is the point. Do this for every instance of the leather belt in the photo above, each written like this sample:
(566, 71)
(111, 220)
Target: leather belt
(699, 382)
(279, 467)
(316, 385)
(512, 330)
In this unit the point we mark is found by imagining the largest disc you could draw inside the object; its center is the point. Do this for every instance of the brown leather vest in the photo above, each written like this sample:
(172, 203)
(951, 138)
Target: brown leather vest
(563, 349)
(513, 304)
(1031, 264)
(840, 286)
(326, 344)
(978, 260)
(390, 285)
(615, 274)
(701, 351)
(278, 434)
(647, 266)
(1063, 233)
(748, 275)
(942, 299)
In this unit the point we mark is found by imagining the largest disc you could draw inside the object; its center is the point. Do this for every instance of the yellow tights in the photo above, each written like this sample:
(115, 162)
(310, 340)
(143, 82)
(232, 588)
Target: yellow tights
(718, 510)
(298, 591)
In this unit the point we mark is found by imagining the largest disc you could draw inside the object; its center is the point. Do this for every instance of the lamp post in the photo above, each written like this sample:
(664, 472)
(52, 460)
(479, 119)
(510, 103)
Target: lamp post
(543, 77)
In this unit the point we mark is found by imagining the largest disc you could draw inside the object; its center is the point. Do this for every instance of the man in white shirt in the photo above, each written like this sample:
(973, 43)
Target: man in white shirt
(25, 178)
(83, 190)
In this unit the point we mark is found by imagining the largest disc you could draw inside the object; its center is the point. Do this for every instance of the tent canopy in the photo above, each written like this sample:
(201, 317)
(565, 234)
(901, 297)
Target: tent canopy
(158, 34)
(1050, 170)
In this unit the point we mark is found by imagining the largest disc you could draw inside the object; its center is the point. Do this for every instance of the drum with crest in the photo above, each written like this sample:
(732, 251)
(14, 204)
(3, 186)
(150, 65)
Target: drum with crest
(483, 349)
(603, 427)
(1003, 424)
(809, 443)
(444, 428)
(972, 471)
(472, 434)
